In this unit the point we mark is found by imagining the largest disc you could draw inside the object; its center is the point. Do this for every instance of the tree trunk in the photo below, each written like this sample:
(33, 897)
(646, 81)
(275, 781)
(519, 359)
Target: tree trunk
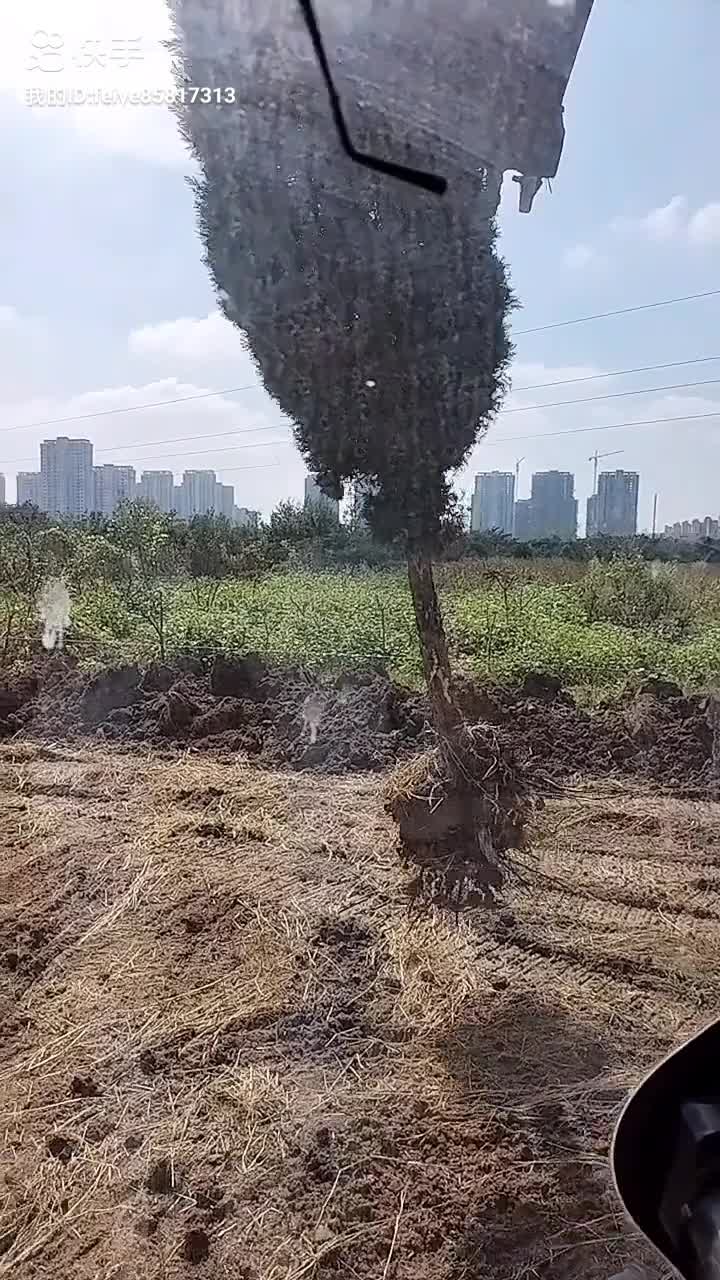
(446, 714)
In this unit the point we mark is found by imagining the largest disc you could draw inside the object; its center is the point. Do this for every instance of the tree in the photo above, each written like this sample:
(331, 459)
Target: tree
(147, 542)
(212, 550)
(376, 313)
(295, 524)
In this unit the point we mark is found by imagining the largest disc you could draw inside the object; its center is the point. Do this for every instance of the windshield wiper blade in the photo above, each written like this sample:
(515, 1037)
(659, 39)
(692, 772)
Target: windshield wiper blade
(416, 177)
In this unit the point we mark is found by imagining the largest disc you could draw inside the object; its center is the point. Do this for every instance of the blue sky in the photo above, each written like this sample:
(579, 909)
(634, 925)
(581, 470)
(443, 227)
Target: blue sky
(105, 303)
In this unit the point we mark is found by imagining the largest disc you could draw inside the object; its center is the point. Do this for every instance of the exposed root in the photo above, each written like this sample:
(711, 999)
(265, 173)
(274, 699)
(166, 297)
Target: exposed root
(461, 808)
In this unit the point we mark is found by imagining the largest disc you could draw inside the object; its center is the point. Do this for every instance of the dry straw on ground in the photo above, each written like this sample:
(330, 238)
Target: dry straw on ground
(231, 1048)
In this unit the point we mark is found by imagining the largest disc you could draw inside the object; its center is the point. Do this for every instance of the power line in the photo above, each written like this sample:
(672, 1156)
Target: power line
(133, 408)
(253, 386)
(617, 373)
(493, 444)
(621, 311)
(613, 395)
(148, 444)
(260, 466)
(540, 435)
(551, 404)
(263, 444)
(202, 453)
(609, 426)
(523, 408)
(257, 386)
(235, 431)
(204, 435)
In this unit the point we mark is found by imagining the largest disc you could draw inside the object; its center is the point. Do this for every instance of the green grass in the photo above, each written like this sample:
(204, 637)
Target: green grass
(498, 630)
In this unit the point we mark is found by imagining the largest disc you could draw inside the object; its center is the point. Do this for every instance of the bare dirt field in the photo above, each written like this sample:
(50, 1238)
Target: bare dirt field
(229, 1048)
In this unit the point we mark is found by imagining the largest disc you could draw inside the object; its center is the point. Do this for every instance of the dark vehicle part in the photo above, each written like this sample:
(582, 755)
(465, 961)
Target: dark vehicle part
(478, 85)
(666, 1157)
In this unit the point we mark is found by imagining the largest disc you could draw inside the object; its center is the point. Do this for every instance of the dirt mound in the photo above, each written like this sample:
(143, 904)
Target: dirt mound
(362, 721)
(241, 678)
(664, 738)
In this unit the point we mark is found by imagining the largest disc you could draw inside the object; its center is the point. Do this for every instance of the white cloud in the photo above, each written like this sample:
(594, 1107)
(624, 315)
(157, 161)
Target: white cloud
(147, 133)
(81, 46)
(12, 322)
(208, 340)
(674, 222)
(24, 350)
(583, 257)
(668, 221)
(704, 225)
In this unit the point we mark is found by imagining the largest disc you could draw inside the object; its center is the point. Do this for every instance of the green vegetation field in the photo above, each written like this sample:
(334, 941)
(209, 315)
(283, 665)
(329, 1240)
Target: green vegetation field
(145, 586)
(498, 630)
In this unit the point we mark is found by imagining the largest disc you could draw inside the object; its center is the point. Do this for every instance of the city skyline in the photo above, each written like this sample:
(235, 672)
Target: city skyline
(551, 509)
(70, 484)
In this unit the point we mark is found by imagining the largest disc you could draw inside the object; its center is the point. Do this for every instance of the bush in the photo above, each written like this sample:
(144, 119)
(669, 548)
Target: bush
(631, 592)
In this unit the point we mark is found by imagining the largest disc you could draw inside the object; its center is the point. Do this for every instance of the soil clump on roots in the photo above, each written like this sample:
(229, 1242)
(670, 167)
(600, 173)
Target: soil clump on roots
(461, 808)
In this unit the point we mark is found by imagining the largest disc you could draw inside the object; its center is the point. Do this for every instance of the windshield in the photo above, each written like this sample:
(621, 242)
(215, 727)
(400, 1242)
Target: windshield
(359, 629)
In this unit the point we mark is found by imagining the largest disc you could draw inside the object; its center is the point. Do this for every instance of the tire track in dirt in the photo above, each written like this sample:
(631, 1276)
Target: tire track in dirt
(637, 885)
(671, 858)
(659, 832)
(528, 962)
(651, 979)
(590, 908)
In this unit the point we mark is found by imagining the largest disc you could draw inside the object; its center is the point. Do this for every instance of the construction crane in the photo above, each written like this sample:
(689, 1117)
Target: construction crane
(597, 457)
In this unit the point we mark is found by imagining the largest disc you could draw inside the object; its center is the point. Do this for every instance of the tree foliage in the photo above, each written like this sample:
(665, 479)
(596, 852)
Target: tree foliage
(376, 313)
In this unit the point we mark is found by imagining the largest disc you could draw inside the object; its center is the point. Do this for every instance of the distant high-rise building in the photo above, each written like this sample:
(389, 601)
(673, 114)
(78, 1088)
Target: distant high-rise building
(199, 494)
(178, 501)
(591, 516)
(245, 518)
(551, 510)
(523, 526)
(224, 500)
(613, 509)
(66, 469)
(28, 488)
(111, 485)
(157, 487)
(2, 489)
(314, 497)
(694, 530)
(493, 502)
